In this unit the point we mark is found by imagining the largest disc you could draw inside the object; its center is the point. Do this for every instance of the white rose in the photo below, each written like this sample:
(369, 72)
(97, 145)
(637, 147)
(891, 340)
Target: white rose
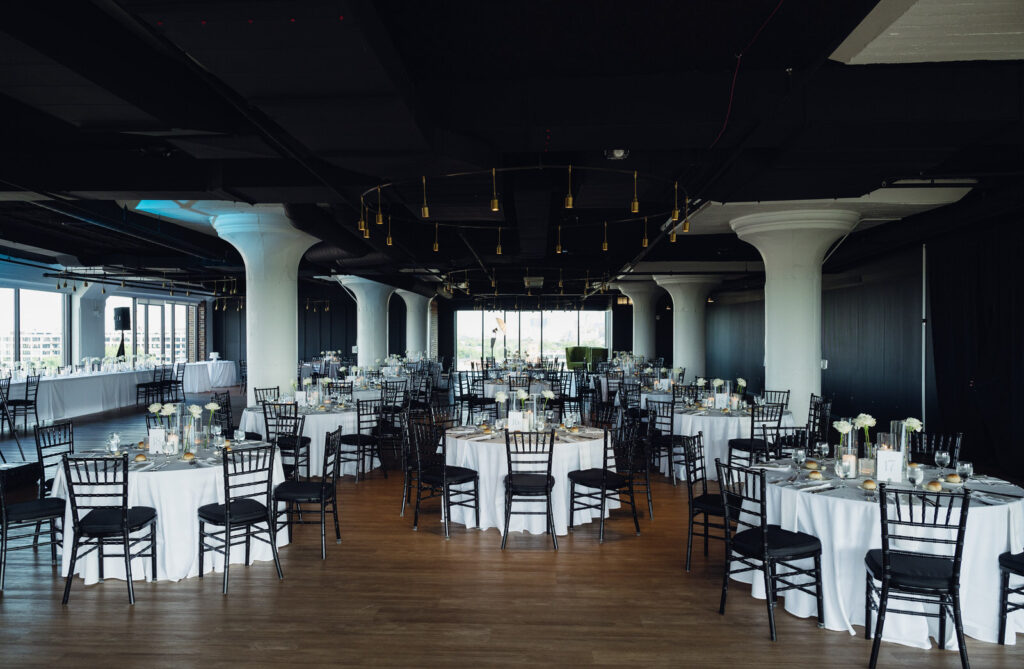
(307, 381)
(170, 408)
(741, 382)
(522, 394)
(195, 410)
(548, 395)
(155, 407)
(212, 406)
(842, 426)
(913, 424)
(501, 397)
(701, 382)
(863, 420)
(717, 383)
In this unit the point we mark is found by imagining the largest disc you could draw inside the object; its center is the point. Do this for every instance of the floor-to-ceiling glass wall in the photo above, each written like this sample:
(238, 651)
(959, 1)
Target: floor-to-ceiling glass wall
(154, 330)
(6, 326)
(180, 333)
(530, 334)
(469, 341)
(112, 336)
(41, 328)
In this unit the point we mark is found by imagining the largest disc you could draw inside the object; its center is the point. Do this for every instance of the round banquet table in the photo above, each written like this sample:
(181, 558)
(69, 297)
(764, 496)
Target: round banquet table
(176, 490)
(488, 458)
(718, 429)
(201, 377)
(848, 524)
(492, 387)
(315, 426)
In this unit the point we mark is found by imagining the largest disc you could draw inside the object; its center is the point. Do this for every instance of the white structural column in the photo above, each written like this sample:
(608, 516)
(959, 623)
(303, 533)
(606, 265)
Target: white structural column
(689, 294)
(417, 312)
(371, 317)
(644, 295)
(87, 327)
(271, 248)
(793, 245)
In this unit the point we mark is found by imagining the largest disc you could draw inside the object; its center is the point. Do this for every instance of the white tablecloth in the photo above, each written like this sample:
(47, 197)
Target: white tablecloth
(316, 426)
(201, 377)
(176, 493)
(83, 394)
(718, 429)
(488, 458)
(848, 526)
(492, 387)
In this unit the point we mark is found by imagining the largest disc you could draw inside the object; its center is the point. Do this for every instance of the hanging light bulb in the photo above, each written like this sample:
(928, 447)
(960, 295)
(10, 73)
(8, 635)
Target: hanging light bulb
(568, 195)
(558, 246)
(74, 287)
(604, 244)
(238, 307)
(686, 220)
(58, 284)
(497, 251)
(362, 215)
(672, 235)
(328, 307)
(307, 304)
(634, 206)
(494, 191)
(560, 285)
(366, 232)
(380, 211)
(103, 290)
(188, 292)
(172, 292)
(425, 210)
(66, 283)
(675, 205)
(644, 240)
(389, 230)
(586, 284)
(435, 238)
(85, 284)
(314, 308)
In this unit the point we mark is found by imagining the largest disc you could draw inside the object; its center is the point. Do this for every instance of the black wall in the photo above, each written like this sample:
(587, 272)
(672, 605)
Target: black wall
(396, 325)
(663, 328)
(446, 331)
(871, 337)
(622, 328)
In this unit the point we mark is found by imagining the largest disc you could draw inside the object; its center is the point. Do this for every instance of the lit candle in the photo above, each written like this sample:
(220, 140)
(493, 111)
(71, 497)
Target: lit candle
(849, 463)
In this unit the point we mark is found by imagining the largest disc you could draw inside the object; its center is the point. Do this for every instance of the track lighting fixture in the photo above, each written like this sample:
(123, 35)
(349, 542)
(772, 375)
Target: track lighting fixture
(604, 244)
(497, 251)
(435, 238)
(675, 202)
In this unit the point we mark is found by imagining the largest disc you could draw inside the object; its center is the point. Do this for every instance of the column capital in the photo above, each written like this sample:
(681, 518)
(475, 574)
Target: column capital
(669, 281)
(799, 230)
(353, 281)
(371, 316)
(640, 289)
(262, 233)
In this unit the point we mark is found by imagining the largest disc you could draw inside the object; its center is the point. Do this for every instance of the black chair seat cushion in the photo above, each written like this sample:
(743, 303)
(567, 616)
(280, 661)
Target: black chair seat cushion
(592, 478)
(287, 442)
(242, 511)
(455, 475)
(529, 484)
(709, 503)
(781, 543)
(20, 403)
(357, 439)
(299, 491)
(108, 521)
(751, 445)
(1014, 563)
(482, 401)
(36, 509)
(912, 571)
(387, 432)
(253, 436)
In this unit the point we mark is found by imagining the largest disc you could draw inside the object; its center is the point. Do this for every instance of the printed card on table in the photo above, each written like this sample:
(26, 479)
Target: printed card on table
(157, 437)
(889, 466)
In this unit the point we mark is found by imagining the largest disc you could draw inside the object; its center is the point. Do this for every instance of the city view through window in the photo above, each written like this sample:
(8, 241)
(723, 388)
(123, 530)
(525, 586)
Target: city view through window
(528, 334)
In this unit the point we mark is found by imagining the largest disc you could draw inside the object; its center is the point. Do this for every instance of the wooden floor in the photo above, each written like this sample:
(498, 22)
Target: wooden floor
(388, 596)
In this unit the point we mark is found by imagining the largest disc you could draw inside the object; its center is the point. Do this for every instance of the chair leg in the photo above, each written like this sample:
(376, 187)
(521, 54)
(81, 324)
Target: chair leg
(446, 507)
(551, 522)
(604, 500)
(883, 601)
(867, 606)
(405, 492)
(942, 624)
(650, 503)
(71, 569)
(227, 556)
(817, 591)
(99, 550)
(3, 559)
(152, 549)
(508, 517)
(476, 500)
(958, 623)
(53, 544)
(416, 511)
(768, 570)
(1004, 602)
(323, 529)
(334, 512)
(273, 547)
(689, 541)
(128, 566)
(725, 581)
(202, 527)
(572, 506)
(632, 503)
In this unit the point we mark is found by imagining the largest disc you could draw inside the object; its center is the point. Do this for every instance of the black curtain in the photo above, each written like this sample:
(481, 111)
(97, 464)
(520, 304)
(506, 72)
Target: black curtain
(976, 298)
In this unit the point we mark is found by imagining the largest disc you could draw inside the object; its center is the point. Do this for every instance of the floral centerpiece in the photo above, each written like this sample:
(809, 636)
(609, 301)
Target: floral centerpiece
(741, 385)
(865, 421)
(211, 407)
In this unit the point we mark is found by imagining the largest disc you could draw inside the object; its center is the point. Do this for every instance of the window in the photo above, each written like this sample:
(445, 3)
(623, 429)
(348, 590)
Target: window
(180, 330)
(139, 345)
(592, 330)
(469, 345)
(6, 326)
(41, 328)
(154, 330)
(111, 336)
(168, 334)
(561, 329)
(527, 333)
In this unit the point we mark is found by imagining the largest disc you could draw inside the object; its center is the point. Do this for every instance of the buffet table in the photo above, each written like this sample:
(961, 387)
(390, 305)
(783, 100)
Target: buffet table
(83, 394)
(176, 490)
(847, 520)
(467, 447)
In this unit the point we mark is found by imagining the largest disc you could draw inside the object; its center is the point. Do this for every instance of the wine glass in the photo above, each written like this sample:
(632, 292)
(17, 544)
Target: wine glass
(941, 459)
(965, 469)
(915, 475)
(799, 456)
(821, 449)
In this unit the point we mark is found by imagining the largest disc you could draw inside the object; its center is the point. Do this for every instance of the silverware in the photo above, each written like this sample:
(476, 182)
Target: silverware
(815, 492)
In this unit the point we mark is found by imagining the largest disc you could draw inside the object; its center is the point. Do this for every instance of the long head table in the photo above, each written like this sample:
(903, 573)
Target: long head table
(83, 394)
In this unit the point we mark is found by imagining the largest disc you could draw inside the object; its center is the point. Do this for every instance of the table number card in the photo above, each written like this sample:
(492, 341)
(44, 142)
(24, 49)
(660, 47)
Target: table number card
(516, 421)
(721, 400)
(300, 397)
(156, 440)
(889, 466)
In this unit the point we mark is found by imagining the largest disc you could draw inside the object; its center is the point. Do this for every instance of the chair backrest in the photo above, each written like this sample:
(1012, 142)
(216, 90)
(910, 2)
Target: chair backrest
(248, 474)
(529, 452)
(281, 420)
(623, 443)
(368, 414)
(95, 484)
(924, 444)
(938, 519)
(332, 448)
(629, 395)
(270, 394)
(819, 417)
(604, 415)
(427, 441)
(662, 416)
(52, 442)
(776, 397)
(30, 472)
(32, 387)
(743, 497)
(179, 372)
(782, 441)
(394, 394)
(222, 416)
(517, 381)
(764, 414)
(696, 466)
(339, 388)
(5, 389)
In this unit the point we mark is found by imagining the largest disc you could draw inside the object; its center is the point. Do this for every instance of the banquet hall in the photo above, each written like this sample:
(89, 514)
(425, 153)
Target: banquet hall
(518, 321)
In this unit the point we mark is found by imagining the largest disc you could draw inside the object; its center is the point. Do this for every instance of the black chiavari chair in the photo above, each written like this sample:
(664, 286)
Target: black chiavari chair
(529, 457)
(298, 495)
(436, 478)
(700, 501)
(613, 479)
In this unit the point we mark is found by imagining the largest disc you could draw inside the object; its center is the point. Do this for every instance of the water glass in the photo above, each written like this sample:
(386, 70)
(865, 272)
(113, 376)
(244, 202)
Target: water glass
(915, 475)
(821, 449)
(239, 435)
(941, 459)
(965, 469)
(799, 456)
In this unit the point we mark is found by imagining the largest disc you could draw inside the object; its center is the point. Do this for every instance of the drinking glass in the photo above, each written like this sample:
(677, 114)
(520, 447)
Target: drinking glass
(215, 430)
(915, 475)
(799, 456)
(965, 469)
(821, 449)
(941, 459)
(840, 468)
(239, 435)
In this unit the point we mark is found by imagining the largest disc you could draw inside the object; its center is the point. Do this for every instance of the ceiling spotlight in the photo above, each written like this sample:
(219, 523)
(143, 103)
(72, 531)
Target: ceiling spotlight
(616, 154)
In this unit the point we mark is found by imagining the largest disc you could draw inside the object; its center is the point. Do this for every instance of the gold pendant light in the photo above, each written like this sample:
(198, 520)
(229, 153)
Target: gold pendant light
(558, 245)
(568, 195)
(497, 251)
(686, 220)
(380, 212)
(560, 285)
(675, 206)
(634, 206)
(586, 283)
(435, 237)
(644, 241)
(388, 241)
(362, 215)
(604, 244)
(494, 191)
(425, 210)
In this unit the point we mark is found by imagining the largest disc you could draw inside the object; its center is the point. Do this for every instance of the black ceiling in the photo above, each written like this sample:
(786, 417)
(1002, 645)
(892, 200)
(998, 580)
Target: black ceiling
(312, 104)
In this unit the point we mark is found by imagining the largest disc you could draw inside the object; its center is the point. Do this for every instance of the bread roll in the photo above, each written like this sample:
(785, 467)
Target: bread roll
(815, 476)
(869, 485)
(953, 478)
(188, 456)
(810, 464)
(933, 486)
(140, 458)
